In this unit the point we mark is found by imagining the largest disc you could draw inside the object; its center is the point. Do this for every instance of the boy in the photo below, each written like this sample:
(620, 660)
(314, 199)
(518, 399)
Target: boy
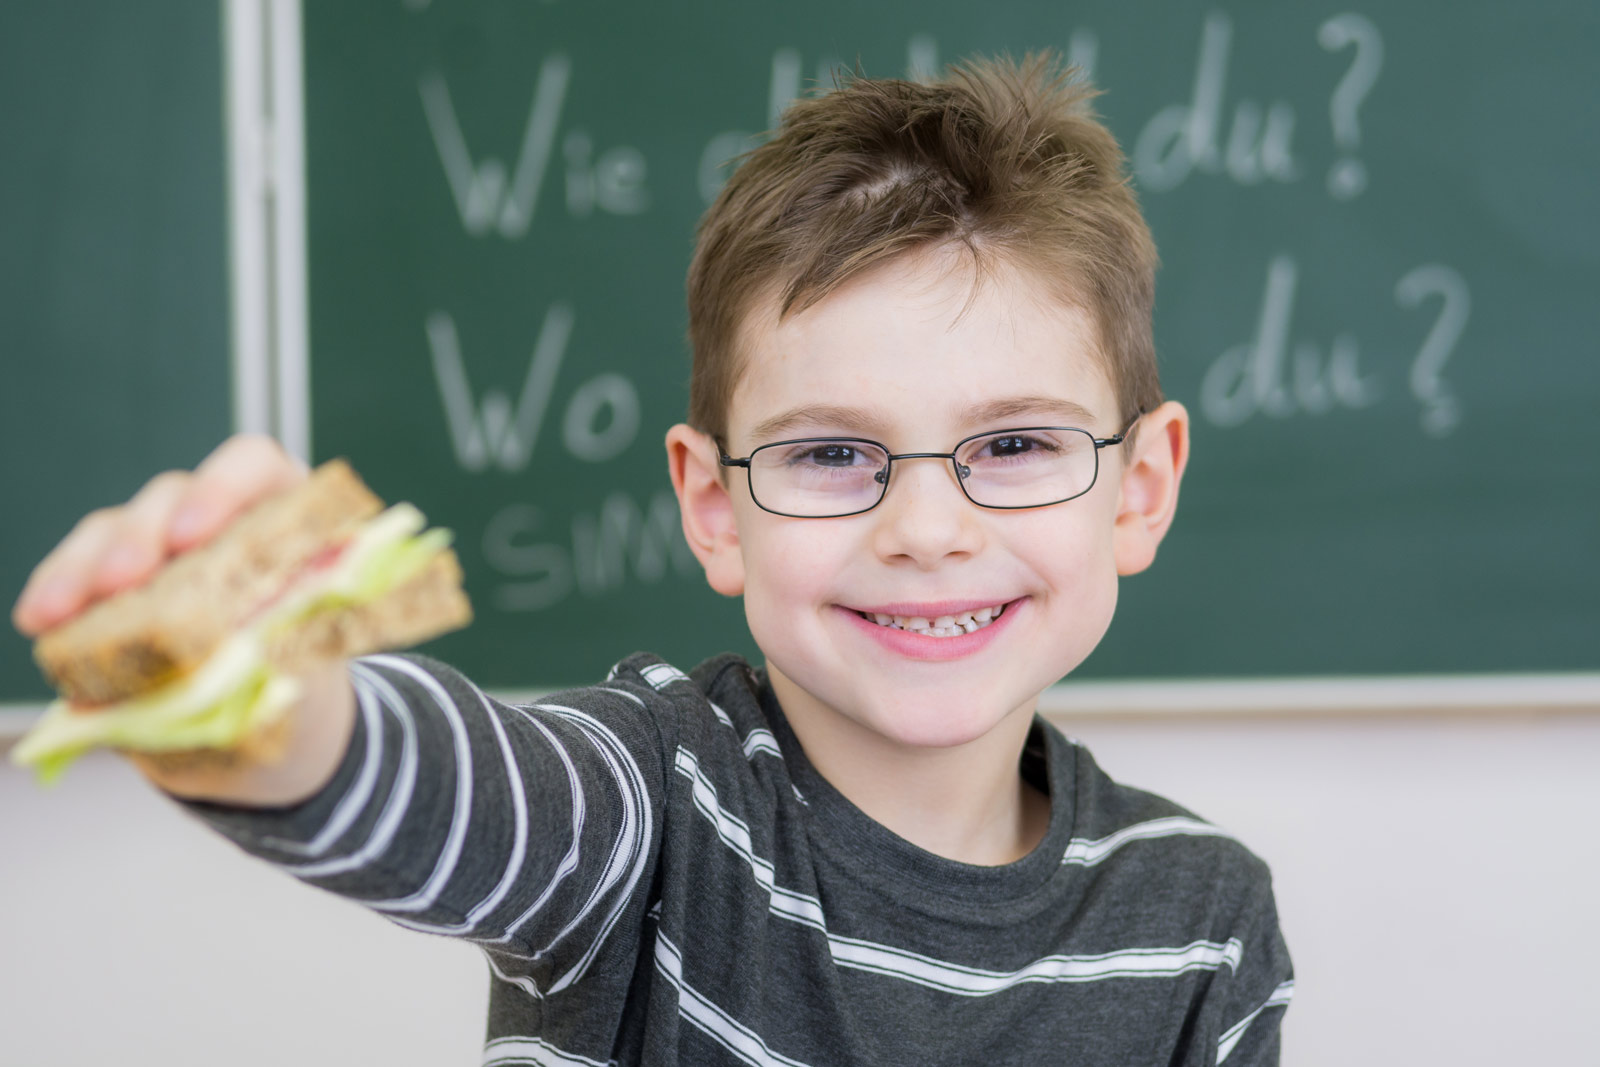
(926, 436)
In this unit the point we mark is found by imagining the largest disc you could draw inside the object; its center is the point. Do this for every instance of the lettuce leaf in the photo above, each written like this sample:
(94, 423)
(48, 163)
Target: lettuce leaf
(235, 692)
(63, 735)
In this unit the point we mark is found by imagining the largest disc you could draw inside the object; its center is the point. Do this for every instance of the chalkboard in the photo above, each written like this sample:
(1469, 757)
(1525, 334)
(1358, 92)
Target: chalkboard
(113, 267)
(1379, 232)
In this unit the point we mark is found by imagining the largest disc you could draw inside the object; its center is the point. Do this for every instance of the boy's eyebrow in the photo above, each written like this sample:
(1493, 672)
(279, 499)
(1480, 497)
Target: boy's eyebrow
(1050, 407)
(857, 419)
(864, 420)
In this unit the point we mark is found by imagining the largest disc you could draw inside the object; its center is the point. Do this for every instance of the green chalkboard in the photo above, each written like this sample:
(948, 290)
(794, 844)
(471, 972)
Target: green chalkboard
(113, 267)
(1379, 231)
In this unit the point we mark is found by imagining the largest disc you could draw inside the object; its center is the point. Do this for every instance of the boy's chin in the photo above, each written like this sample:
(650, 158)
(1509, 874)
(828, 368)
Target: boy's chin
(937, 724)
(907, 718)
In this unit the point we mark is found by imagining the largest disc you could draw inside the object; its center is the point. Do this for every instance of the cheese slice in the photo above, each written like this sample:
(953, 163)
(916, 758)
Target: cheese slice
(235, 692)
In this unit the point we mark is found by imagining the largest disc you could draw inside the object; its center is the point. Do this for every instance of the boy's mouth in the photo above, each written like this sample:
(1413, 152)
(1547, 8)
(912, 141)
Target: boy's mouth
(964, 622)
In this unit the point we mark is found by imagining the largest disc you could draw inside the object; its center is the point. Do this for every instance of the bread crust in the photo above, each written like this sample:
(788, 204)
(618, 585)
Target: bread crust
(148, 635)
(429, 604)
(267, 744)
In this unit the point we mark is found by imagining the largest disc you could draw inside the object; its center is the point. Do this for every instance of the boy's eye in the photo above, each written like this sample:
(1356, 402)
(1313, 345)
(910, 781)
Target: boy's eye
(1013, 446)
(828, 455)
(1010, 446)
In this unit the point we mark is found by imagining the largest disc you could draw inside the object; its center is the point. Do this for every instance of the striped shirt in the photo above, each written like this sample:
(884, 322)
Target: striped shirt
(657, 875)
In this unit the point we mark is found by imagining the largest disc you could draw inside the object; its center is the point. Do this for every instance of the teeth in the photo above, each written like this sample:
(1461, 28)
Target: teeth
(944, 626)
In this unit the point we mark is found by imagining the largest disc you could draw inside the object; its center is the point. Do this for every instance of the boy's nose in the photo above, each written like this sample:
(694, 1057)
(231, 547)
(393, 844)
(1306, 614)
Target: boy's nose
(924, 516)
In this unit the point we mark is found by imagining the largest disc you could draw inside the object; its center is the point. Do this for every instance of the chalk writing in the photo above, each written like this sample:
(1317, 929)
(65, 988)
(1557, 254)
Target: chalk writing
(496, 432)
(604, 548)
(1184, 138)
(1276, 375)
(489, 200)
(614, 181)
(483, 198)
(1264, 377)
(1441, 412)
(1348, 177)
(602, 418)
(1226, 126)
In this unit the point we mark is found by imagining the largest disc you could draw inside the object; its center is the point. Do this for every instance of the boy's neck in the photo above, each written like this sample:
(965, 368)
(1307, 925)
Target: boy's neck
(966, 802)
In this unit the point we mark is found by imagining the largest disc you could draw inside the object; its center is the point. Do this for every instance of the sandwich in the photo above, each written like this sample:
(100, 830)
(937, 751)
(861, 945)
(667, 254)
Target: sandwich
(199, 663)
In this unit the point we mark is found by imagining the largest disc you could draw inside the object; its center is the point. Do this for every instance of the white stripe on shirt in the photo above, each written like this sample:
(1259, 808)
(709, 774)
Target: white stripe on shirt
(519, 841)
(924, 970)
(717, 1024)
(394, 805)
(521, 981)
(975, 982)
(759, 740)
(736, 835)
(630, 853)
(354, 801)
(621, 693)
(569, 861)
(507, 1051)
(1086, 853)
(1280, 996)
(661, 675)
(460, 814)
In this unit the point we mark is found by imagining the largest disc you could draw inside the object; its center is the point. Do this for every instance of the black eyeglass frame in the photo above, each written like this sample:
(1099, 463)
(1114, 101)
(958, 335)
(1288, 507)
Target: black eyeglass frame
(883, 476)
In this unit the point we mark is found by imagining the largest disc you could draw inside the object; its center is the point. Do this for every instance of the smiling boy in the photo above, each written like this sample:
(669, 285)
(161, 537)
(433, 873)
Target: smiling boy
(926, 438)
(921, 731)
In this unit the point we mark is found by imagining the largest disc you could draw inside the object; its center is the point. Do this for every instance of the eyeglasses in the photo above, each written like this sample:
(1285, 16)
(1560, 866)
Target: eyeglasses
(832, 477)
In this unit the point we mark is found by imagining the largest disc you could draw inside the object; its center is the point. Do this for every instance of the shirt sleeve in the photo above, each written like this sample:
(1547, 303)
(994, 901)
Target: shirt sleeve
(531, 830)
(1255, 995)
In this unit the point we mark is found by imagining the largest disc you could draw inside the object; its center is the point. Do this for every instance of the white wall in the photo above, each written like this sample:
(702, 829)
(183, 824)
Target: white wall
(1437, 878)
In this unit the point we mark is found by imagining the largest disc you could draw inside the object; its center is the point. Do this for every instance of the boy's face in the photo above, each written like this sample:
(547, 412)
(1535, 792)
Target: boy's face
(893, 357)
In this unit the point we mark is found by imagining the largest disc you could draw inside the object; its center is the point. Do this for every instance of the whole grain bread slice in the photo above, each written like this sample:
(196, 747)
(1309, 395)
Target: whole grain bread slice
(430, 603)
(143, 637)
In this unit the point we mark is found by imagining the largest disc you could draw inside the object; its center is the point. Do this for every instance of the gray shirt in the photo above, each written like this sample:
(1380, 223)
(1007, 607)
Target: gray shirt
(657, 875)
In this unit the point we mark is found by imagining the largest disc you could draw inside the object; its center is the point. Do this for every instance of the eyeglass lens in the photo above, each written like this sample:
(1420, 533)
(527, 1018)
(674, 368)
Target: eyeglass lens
(1008, 469)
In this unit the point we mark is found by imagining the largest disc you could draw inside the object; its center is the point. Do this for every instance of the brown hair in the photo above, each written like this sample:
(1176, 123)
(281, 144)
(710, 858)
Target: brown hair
(1005, 158)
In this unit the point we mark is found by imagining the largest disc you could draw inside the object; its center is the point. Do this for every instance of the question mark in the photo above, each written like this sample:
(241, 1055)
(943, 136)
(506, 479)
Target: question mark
(1441, 412)
(1348, 177)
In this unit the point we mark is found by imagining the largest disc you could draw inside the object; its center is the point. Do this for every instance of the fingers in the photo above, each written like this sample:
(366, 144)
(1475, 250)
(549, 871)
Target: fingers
(117, 548)
(59, 586)
(109, 550)
(241, 471)
(137, 543)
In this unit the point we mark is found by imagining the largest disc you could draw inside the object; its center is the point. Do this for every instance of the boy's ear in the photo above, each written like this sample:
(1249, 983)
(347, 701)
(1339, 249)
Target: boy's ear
(1149, 490)
(706, 508)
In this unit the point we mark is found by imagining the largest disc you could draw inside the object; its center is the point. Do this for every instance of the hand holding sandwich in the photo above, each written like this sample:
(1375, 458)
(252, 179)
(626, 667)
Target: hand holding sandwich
(118, 548)
(203, 626)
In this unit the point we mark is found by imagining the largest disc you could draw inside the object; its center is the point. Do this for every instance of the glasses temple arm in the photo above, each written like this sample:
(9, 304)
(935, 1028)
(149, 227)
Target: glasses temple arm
(1117, 439)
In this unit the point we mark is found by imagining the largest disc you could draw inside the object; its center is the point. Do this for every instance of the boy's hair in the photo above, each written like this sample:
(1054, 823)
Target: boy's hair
(1004, 158)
